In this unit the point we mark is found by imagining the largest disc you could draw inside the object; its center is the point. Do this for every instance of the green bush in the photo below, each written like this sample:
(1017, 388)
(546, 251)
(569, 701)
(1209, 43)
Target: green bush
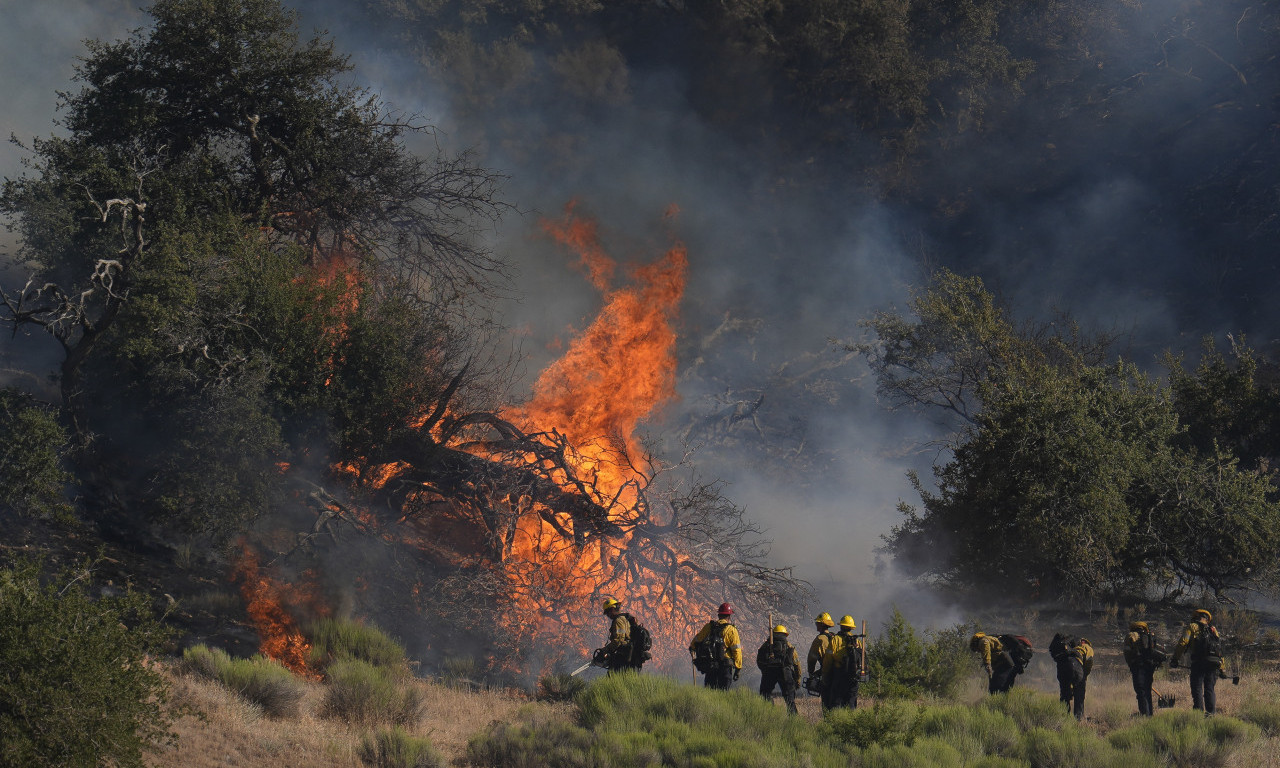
(259, 680)
(393, 748)
(76, 688)
(1185, 738)
(902, 665)
(359, 692)
(31, 472)
(559, 687)
(973, 731)
(1030, 709)
(885, 724)
(337, 639)
(1264, 713)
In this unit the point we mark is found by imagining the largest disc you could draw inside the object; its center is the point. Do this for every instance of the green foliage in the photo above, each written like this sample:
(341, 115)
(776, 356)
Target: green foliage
(559, 687)
(1186, 738)
(259, 680)
(31, 472)
(394, 748)
(1068, 475)
(904, 665)
(342, 639)
(886, 724)
(1262, 712)
(359, 692)
(76, 686)
(1030, 710)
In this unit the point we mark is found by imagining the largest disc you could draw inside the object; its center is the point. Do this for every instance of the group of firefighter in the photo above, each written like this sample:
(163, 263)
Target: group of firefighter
(836, 662)
(1199, 648)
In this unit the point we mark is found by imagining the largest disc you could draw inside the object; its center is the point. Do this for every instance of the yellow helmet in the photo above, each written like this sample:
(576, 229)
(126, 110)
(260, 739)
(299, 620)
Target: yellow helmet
(848, 622)
(1206, 614)
(1139, 626)
(610, 603)
(975, 642)
(824, 619)
(779, 630)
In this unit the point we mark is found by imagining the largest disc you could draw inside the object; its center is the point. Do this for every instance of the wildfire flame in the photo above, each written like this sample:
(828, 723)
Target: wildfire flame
(265, 600)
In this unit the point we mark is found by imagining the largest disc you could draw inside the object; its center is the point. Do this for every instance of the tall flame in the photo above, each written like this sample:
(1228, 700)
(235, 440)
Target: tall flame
(266, 600)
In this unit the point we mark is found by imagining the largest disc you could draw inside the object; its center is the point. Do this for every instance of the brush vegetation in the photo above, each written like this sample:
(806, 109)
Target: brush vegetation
(341, 639)
(259, 680)
(359, 692)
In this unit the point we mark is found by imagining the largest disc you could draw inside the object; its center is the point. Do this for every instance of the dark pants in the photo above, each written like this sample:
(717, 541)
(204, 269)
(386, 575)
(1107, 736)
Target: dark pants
(719, 678)
(1204, 677)
(784, 679)
(1071, 684)
(1143, 675)
(841, 690)
(1002, 674)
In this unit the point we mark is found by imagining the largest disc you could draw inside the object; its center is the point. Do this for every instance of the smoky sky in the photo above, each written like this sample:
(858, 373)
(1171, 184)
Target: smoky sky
(779, 269)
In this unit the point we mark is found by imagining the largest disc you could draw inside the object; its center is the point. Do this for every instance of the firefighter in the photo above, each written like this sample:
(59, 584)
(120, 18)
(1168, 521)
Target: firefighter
(717, 650)
(1074, 657)
(999, 664)
(1143, 657)
(616, 655)
(1201, 640)
(842, 667)
(779, 666)
(818, 648)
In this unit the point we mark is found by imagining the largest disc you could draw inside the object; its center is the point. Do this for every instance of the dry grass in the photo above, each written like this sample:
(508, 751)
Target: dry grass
(227, 731)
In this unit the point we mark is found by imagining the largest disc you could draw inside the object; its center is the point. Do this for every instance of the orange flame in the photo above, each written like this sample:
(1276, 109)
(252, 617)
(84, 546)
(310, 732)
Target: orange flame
(265, 599)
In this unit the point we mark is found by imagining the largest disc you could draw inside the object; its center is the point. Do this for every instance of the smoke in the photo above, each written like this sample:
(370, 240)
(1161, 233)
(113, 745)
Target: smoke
(1054, 212)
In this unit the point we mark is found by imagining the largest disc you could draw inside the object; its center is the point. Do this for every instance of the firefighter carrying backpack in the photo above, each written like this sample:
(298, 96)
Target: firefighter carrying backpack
(772, 655)
(1208, 647)
(641, 642)
(1019, 649)
(710, 653)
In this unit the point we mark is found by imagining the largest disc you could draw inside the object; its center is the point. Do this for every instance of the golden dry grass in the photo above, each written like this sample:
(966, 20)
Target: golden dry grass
(225, 731)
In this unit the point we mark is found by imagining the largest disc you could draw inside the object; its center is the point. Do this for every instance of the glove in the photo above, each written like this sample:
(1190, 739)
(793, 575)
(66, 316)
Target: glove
(988, 667)
(736, 672)
(597, 658)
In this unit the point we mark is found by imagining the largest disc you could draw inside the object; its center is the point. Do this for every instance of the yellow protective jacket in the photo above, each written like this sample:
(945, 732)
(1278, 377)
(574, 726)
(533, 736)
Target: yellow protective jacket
(1133, 643)
(1083, 651)
(989, 647)
(732, 642)
(843, 648)
(1189, 637)
(619, 634)
(818, 650)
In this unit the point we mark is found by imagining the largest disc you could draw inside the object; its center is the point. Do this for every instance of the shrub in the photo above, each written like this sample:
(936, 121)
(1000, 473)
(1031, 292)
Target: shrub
(259, 680)
(31, 472)
(885, 724)
(1264, 713)
(1186, 738)
(393, 748)
(1030, 709)
(337, 639)
(360, 692)
(76, 688)
(559, 688)
(905, 666)
(974, 731)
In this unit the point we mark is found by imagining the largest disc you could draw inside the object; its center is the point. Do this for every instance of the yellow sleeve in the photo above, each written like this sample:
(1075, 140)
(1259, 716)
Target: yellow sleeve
(702, 635)
(795, 663)
(987, 642)
(818, 650)
(833, 647)
(1088, 656)
(1131, 648)
(733, 645)
(1188, 636)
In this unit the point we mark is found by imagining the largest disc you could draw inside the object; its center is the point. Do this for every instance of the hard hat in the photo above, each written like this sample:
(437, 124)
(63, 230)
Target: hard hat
(726, 609)
(611, 603)
(779, 630)
(975, 642)
(847, 621)
(1138, 626)
(824, 619)
(1206, 614)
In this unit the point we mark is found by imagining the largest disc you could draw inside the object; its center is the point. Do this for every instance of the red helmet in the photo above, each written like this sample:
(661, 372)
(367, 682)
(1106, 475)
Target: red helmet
(726, 609)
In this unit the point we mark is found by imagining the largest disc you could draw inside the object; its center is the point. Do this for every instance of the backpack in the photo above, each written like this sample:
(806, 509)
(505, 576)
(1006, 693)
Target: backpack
(1208, 646)
(641, 642)
(1058, 647)
(1148, 650)
(1019, 649)
(710, 653)
(773, 655)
